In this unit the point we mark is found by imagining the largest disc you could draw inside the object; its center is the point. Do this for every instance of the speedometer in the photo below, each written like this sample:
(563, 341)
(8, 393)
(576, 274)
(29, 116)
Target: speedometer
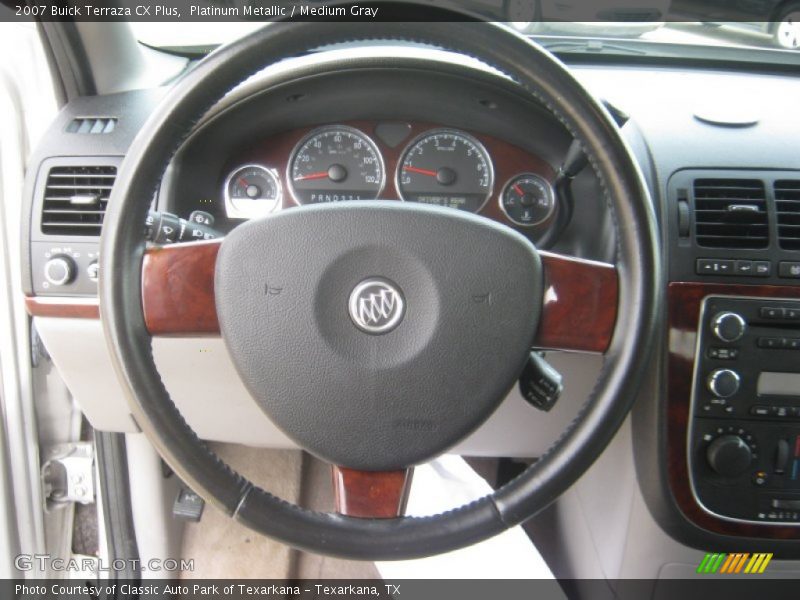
(445, 167)
(333, 164)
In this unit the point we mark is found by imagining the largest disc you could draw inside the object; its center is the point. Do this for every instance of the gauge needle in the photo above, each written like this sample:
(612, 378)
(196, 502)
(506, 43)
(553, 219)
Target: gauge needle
(319, 175)
(243, 181)
(518, 189)
(420, 171)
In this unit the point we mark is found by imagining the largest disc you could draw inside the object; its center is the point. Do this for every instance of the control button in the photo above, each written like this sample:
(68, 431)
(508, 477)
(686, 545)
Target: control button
(540, 384)
(760, 410)
(729, 455)
(781, 458)
(791, 314)
(202, 217)
(789, 269)
(723, 382)
(771, 312)
(762, 268)
(93, 271)
(714, 266)
(728, 326)
(760, 478)
(59, 270)
(723, 353)
(781, 411)
(792, 343)
(744, 267)
(784, 504)
(772, 343)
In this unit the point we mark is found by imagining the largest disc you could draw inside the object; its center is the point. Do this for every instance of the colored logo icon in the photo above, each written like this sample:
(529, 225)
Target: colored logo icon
(734, 564)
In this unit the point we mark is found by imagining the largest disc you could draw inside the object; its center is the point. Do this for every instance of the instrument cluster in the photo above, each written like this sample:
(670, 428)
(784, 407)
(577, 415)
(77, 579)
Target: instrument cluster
(411, 162)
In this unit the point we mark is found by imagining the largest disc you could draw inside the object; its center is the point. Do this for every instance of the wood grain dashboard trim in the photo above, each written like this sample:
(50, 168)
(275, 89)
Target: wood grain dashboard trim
(684, 300)
(63, 307)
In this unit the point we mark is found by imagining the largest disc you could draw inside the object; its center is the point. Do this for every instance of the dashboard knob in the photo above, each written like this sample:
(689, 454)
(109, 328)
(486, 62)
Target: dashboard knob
(728, 326)
(723, 383)
(729, 455)
(59, 270)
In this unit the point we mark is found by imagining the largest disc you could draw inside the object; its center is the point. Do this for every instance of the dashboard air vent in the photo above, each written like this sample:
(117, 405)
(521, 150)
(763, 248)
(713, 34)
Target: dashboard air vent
(787, 205)
(75, 200)
(93, 125)
(730, 213)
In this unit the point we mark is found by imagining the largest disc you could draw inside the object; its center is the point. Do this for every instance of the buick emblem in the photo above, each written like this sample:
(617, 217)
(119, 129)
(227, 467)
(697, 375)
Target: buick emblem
(376, 306)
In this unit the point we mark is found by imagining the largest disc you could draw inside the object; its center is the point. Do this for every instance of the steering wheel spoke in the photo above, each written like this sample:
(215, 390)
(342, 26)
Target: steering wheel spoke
(580, 304)
(371, 494)
(178, 289)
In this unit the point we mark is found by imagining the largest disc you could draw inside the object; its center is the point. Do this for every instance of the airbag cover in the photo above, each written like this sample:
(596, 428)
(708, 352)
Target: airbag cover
(461, 301)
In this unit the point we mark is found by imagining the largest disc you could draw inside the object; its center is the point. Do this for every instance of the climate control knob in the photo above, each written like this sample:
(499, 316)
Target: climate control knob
(59, 270)
(729, 455)
(723, 383)
(728, 326)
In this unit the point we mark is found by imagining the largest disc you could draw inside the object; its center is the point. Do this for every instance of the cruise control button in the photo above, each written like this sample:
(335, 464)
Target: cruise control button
(789, 269)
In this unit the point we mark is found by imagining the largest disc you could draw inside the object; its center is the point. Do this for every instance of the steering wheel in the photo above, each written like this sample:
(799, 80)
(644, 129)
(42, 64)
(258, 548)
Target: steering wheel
(370, 347)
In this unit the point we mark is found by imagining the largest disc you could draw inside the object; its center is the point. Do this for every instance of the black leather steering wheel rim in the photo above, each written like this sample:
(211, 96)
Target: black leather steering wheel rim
(638, 267)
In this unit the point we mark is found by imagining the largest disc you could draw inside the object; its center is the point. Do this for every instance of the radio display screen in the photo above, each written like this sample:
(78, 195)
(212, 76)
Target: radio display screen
(778, 384)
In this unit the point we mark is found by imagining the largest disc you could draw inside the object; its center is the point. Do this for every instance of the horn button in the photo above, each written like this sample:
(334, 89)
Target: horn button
(377, 334)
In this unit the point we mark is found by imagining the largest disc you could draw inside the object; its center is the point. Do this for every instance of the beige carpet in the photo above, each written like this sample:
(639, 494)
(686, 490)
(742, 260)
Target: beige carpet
(222, 548)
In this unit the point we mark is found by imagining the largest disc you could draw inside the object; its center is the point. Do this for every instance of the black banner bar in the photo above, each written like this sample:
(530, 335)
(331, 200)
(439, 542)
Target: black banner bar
(390, 10)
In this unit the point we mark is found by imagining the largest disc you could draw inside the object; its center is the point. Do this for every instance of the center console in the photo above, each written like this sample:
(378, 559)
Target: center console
(744, 430)
(732, 410)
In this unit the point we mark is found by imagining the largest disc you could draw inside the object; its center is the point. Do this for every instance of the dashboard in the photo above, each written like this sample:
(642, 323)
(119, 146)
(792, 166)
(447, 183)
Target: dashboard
(339, 128)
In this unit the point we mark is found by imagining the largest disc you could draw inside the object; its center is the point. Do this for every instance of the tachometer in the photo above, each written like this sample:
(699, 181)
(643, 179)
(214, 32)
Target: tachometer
(446, 168)
(333, 164)
(252, 191)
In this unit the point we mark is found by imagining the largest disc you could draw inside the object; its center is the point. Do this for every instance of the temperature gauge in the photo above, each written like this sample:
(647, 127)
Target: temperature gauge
(252, 191)
(528, 200)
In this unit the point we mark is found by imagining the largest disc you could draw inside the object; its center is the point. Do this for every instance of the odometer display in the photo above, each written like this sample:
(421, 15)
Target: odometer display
(334, 164)
(446, 168)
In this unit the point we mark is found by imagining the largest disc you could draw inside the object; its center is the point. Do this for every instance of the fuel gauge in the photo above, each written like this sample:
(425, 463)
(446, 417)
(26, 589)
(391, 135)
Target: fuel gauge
(252, 191)
(528, 199)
